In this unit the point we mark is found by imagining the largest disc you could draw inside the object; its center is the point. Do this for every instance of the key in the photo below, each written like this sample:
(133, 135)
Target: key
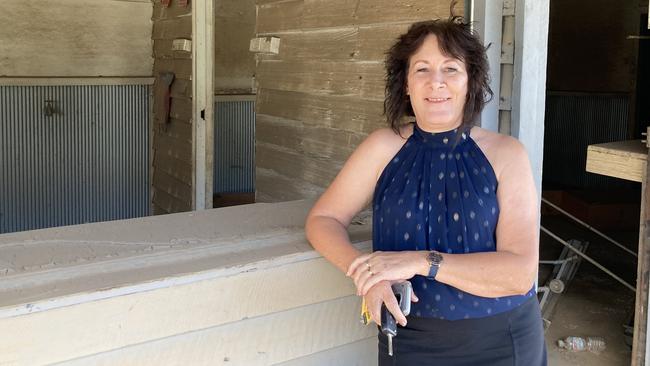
(402, 293)
(388, 327)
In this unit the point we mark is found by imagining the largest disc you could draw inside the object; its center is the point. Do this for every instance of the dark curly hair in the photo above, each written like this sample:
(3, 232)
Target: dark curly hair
(456, 39)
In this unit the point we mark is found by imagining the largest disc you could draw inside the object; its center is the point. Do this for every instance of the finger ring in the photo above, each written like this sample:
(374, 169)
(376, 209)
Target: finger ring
(368, 265)
(371, 272)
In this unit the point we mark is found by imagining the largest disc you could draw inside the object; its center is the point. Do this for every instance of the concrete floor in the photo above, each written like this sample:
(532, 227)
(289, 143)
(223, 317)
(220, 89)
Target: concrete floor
(594, 304)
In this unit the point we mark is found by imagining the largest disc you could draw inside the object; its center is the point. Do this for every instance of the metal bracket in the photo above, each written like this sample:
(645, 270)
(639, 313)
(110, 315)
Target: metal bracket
(51, 108)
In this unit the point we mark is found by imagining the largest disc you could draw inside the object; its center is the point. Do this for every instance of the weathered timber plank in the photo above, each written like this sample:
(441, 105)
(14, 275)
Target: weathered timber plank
(157, 210)
(182, 68)
(274, 187)
(162, 49)
(169, 146)
(172, 11)
(335, 13)
(276, 17)
(75, 38)
(172, 186)
(622, 159)
(182, 88)
(319, 172)
(313, 141)
(170, 203)
(172, 28)
(181, 108)
(374, 40)
(345, 113)
(179, 169)
(361, 79)
(328, 44)
(177, 129)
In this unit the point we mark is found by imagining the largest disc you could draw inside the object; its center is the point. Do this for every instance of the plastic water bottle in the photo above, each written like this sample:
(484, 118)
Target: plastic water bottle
(577, 344)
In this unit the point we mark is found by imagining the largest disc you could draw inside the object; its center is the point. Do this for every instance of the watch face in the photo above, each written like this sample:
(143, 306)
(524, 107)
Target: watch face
(435, 258)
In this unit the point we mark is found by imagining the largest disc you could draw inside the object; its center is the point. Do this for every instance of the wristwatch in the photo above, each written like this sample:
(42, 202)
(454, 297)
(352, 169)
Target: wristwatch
(435, 260)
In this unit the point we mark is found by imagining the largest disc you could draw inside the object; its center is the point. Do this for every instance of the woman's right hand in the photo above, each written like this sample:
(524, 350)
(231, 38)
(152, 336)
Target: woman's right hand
(382, 293)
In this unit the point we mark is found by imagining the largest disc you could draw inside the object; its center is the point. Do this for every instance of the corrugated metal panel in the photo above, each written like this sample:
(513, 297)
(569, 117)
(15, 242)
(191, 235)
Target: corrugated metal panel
(574, 121)
(88, 162)
(234, 147)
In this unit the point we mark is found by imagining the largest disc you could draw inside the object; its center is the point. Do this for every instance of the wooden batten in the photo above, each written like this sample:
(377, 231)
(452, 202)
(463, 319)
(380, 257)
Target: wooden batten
(363, 80)
(328, 111)
(172, 141)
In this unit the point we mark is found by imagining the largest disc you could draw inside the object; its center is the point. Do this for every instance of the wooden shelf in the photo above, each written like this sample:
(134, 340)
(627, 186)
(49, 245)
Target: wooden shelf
(620, 159)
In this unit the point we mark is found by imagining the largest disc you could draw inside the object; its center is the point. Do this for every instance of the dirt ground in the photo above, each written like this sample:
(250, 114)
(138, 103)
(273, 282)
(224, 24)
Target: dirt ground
(593, 304)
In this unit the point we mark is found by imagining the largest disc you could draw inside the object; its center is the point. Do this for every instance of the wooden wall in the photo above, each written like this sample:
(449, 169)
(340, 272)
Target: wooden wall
(324, 92)
(234, 64)
(172, 141)
(75, 38)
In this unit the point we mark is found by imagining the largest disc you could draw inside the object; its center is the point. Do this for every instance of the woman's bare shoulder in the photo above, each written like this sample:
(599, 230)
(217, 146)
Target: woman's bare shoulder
(501, 150)
(381, 146)
(387, 141)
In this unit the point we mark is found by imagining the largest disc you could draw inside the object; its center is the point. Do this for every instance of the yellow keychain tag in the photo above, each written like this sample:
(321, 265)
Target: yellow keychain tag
(365, 314)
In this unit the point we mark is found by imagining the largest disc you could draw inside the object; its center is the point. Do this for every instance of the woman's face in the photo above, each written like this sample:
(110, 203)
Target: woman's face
(437, 87)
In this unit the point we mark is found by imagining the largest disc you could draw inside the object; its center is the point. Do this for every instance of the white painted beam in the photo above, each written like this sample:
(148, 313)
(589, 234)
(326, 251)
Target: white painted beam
(529, 89)
(203, 58)
(486, 20)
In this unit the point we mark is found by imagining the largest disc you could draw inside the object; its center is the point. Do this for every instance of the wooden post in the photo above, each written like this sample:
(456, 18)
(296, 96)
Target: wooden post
(641, 320)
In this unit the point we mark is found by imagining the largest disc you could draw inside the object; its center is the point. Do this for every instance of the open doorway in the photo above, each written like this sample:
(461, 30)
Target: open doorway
(596, 86)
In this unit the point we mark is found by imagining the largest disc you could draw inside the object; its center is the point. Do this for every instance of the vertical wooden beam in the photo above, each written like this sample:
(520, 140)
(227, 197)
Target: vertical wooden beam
(203, 103)
(486, 20)
(529, 86)
(640, 344)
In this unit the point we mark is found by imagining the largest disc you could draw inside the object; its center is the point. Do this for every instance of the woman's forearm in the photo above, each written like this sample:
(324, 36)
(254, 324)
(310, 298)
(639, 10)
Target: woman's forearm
(330, 238)
(491, 274)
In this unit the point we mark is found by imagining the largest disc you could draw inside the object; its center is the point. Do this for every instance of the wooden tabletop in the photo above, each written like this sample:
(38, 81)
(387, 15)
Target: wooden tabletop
(620, 159)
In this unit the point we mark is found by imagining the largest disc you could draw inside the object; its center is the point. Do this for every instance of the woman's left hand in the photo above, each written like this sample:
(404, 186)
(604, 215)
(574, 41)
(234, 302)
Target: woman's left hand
(368, 269)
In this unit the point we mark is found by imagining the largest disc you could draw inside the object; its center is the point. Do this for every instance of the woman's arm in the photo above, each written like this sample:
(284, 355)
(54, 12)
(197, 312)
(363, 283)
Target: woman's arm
(512, 268)
(349, 193)
(508, 271)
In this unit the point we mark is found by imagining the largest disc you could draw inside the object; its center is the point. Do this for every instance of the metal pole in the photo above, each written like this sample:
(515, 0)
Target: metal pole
(590, 227)
(587, 258)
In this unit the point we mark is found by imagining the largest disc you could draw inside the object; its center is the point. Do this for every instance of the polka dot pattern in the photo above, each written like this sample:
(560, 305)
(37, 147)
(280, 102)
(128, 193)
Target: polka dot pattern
(439, 192)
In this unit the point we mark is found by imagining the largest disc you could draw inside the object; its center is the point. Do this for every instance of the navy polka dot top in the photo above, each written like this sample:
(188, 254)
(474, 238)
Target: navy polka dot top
(439, 193)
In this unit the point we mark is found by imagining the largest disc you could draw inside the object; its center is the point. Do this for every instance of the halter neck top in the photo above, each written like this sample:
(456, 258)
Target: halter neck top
(439, 193)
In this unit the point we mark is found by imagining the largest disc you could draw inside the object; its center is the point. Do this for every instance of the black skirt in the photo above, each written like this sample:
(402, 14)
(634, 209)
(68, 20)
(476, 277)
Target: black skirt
(512, 338)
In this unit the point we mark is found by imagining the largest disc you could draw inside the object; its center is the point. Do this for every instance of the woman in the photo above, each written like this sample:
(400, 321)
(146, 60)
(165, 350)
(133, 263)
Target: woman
(454, 212)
